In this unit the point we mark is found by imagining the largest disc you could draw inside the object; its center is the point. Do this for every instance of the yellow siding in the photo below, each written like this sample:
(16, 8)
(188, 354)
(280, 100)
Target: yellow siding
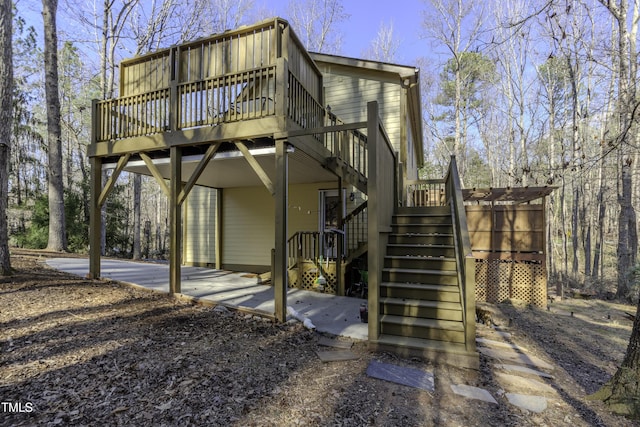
(199, 226)
(348, 96)
(248, 222)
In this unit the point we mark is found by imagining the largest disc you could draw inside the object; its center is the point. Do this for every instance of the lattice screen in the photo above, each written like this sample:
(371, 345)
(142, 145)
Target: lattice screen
(305, 277)
(499, 280)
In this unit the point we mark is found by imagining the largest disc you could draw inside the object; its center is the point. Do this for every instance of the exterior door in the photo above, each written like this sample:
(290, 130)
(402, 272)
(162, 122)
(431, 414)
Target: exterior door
(328, 221)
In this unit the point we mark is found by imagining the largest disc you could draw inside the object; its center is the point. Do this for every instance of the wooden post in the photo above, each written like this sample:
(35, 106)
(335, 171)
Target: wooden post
(218, 235)
(175, 218)
(373, 223)
(280, 257)
(95, 218)
(174, 64)
(339, 243)
(282, 83)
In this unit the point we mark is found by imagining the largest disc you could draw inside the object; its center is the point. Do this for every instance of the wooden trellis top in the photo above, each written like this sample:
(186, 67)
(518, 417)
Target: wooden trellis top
(508, 194)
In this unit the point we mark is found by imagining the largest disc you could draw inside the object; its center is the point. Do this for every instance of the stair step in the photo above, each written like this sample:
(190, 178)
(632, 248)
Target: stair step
(420, 308)
(428, 292)
(446, 251)
(410, 275)
(433, 329)
(423, 238)
(420, 228)
(420, 262)
(435, 219)
(441, 210)
(422, 271)
(454, 354)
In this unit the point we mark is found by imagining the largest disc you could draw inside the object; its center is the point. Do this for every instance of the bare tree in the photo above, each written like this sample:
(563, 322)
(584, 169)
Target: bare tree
(455, 25)
(626, 63)
(621, 391)
(384, 47)
(6, 118)
(57, 232)
(316, 23)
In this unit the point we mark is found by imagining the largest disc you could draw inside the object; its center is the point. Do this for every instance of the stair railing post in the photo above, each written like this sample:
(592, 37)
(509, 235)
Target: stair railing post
(373, 257)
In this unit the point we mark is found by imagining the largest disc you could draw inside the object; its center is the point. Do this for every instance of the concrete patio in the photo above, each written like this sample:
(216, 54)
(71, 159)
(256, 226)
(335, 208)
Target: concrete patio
(332, 314)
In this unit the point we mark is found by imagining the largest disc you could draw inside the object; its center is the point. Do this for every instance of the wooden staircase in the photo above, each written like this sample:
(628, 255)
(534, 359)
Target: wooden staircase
(421, 303)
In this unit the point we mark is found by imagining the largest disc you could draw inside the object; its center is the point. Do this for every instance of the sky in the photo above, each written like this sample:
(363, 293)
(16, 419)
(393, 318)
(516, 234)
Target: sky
(365, 19)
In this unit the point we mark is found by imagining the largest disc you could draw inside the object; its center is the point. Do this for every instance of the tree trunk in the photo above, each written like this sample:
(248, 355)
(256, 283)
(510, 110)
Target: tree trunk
(621, 392)
(57, 233)
(6, 117)
(626, 232)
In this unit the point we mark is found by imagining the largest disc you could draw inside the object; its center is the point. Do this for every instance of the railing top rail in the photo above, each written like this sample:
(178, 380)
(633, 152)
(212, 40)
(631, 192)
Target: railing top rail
(424, 181)
(265, 24)
(362, 206)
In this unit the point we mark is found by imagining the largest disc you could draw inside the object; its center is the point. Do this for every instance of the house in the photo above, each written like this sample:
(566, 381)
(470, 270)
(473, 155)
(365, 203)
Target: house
(277, 158)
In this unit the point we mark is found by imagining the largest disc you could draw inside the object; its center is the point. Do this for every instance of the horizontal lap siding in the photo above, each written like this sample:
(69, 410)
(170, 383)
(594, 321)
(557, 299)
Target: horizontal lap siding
(248, 226)
(249, 220)
(348, 97)
(199, 226)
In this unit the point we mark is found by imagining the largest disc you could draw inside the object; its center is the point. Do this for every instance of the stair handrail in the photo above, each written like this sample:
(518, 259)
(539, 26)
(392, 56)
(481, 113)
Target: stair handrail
(355, 227)
(464, 255)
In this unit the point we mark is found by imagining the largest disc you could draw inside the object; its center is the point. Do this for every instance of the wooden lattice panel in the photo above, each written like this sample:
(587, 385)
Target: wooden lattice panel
(305, 277)
(500, 280)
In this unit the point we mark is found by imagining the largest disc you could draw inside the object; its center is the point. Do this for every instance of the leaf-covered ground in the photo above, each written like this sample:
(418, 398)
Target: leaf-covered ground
(82, 352)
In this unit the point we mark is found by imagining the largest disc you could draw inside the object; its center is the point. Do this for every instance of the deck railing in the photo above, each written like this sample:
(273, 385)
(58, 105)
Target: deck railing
(348, 145)
(302, 107)
(240, 96)
(430, 192)
(134, 115)
(311, 245)
(250, 73)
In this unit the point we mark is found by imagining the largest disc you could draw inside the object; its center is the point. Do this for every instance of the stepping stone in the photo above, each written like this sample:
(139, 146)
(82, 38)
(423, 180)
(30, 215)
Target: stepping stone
(516, 383)
(500, 344)
(524, 370)
(535, 404)
(515, 357)
(471, 392)
(329, 342)
(336, 355)
(400, 375)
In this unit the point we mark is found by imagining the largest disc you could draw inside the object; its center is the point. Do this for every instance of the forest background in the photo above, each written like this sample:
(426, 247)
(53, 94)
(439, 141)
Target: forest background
(523, 93)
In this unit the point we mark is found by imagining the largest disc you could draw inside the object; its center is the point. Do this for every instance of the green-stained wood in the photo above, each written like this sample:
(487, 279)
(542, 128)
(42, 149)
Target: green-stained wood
(231, 131)
(280, 273)
(122, 162)
(95, 218)
(156, 173)
(373, 255)
(219, 228)
(175, 221)
(340, 288)
(202, 164)
(255, 166)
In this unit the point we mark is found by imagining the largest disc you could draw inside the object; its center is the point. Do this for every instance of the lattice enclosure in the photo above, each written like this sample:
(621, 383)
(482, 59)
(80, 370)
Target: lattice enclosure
(500, 280)
(305, 277)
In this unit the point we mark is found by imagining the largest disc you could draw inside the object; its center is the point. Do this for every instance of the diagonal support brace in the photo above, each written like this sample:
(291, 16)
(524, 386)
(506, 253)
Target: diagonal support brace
(256, 167)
